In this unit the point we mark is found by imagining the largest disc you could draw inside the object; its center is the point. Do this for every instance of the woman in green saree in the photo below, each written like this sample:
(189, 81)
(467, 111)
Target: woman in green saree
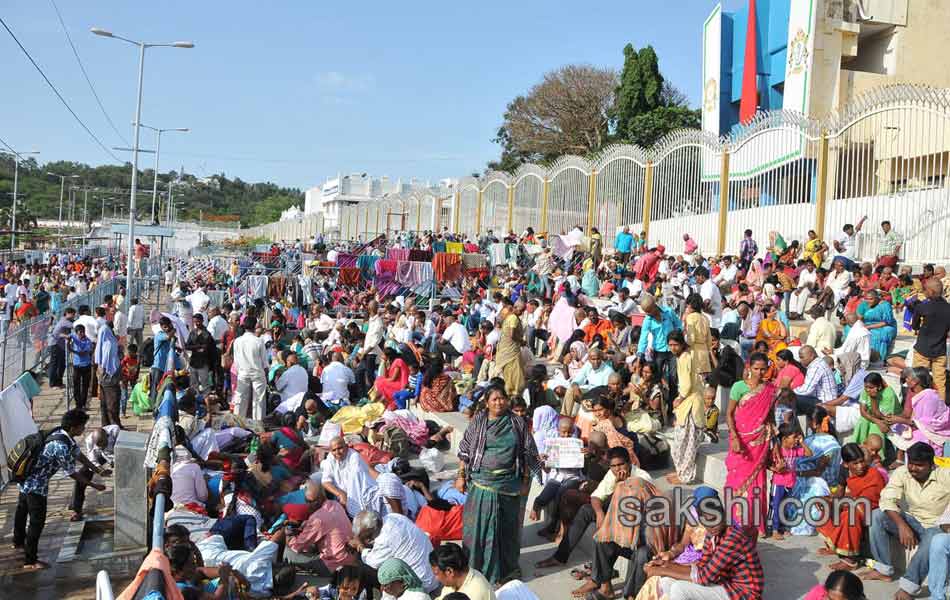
(499, 457)
(877, 402)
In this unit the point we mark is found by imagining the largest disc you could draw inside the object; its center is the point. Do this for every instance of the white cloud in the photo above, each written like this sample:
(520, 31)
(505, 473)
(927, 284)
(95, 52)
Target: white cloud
(335, 82)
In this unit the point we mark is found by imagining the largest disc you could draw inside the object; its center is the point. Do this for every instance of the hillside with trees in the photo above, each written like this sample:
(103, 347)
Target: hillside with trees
(213, 198)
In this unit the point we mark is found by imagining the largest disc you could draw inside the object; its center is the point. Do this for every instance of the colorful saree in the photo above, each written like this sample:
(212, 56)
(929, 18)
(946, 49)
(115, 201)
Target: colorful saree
(887, 404)
(491, 530)
(882, 338)
(822, 445)
(773, 332)
(747, 468)
(843, 535)
(812, 251)
(931, 423)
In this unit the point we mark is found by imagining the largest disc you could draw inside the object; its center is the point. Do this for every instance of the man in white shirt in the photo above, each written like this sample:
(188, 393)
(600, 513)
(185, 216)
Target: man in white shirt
(394, 536)
(727, 273)
(846, 243)
(858, 340)
(455, 341)
(217, 326)
(136, 322)
(633, 285)
(88, 321)
(321, 322)
(712, 297)
(336, 380)
(807, 284)
(294, 381)
(250, 360)
(595, 373)
(625, 304)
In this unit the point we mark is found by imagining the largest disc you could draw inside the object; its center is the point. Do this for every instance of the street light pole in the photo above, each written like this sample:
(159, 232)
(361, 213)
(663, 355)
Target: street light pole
(158, 150)
(62, 189)
(130, 249)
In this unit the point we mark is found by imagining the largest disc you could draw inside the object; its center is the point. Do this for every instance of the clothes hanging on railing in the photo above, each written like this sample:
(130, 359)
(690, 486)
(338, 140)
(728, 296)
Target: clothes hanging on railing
(438, 246)
(447, 267)
(345, 260)
(497, 254)
(16, 416)
(420, 256)
(349, 276)
(257, 286)
(306, 289)
(470, 247)
(365, 263)
(277, 285)
(411, 273)
(397, 254)
(454, 247)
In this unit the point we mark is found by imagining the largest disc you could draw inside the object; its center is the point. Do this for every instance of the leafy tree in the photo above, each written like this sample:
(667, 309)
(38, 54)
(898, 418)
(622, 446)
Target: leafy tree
(645, 129)
(568, 112)
(640, 85)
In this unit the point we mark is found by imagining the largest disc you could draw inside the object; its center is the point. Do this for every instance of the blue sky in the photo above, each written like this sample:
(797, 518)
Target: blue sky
(295, 91)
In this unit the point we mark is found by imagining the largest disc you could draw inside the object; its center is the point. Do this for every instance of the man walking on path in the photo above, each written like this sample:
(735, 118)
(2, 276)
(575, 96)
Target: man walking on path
(107, 363)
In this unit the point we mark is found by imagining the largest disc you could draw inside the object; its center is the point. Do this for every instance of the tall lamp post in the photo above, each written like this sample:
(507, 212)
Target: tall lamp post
(62, 190)
(158, 149)
(16, 177)
(135, 143)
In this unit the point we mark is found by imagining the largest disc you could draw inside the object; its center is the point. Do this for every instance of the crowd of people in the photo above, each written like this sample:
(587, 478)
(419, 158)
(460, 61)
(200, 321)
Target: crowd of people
(287, 410)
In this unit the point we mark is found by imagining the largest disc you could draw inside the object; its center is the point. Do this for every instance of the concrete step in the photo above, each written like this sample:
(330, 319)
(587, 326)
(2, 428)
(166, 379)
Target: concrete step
(457, 421)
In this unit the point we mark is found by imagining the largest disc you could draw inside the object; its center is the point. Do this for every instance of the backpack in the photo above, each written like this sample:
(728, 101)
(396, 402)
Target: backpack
(22, 458)
(396, 442)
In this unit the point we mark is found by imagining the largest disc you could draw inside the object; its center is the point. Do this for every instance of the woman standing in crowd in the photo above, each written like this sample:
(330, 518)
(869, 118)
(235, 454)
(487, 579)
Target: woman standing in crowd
(751, 420)
(698, 337)
(687, 410)
(499, 458)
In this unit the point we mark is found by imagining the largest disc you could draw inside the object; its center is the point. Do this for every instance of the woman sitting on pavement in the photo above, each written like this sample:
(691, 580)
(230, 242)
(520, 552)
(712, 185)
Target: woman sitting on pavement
(817, 475)
(843, 532)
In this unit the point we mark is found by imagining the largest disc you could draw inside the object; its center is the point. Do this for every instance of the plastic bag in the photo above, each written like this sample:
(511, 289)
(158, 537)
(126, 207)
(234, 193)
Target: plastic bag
(432, 460)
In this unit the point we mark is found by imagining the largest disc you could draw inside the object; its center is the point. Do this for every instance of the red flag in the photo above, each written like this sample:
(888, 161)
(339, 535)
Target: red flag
(749, 101)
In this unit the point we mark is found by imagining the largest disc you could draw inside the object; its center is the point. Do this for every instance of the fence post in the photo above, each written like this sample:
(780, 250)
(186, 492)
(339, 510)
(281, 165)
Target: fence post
(545, 190)
(478, 212)
(456, 211)
(511, 206)
(591, 199)
(723, 200)
(821, 193)
(647, 197)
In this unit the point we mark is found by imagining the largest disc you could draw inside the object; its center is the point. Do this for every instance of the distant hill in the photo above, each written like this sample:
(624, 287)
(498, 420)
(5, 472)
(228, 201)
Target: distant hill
(216, 197)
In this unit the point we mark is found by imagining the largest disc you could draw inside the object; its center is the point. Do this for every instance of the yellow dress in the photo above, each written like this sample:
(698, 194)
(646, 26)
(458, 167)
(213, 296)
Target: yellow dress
(699, 340)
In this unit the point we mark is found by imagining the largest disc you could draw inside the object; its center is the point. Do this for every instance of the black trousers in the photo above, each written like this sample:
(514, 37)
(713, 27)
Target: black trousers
(57, 365)
(82, 376)
(32, 508)
(79, 491)
(582, 520)
(109, 400)
(605, 557)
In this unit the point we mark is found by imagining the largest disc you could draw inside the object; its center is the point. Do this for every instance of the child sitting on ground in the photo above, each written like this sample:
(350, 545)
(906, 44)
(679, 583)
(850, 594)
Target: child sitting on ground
(872, 454)
(784, 407)
(784, 459)
(557, 479)
(712, 413)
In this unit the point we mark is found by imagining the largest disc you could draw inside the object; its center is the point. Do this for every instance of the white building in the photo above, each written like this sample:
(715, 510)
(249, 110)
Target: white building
(351, 189)
(291, 214)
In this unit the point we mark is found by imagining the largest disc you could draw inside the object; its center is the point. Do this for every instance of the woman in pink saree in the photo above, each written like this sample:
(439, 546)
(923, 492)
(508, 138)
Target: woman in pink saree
(396, 378)
(925, 418)
(751, 419)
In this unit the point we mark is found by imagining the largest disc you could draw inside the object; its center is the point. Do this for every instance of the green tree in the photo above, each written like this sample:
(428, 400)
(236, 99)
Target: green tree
(645, 129)
(640, 88)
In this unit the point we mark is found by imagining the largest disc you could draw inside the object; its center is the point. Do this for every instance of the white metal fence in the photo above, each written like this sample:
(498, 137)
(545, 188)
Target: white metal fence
(886, 155)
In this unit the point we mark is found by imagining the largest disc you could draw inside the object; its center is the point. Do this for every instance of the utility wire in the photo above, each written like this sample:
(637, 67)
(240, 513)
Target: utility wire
(86, 75)
(10, 148)
(58, 95)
